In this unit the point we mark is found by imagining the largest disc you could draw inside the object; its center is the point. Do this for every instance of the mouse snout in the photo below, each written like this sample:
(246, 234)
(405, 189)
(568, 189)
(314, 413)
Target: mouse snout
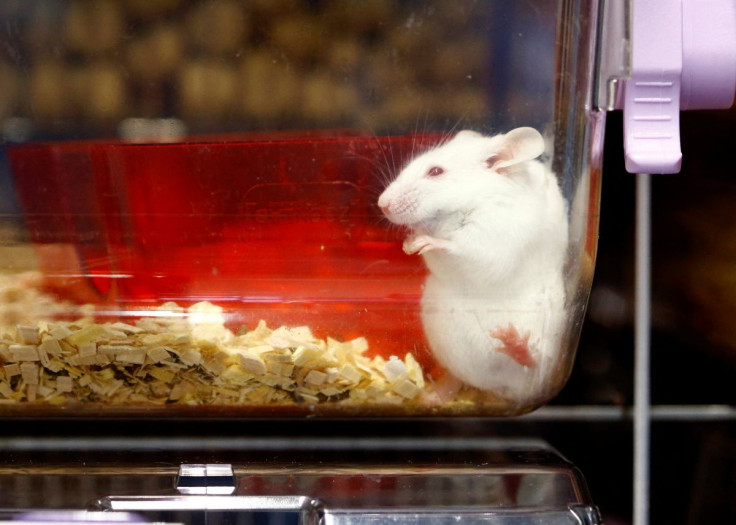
(384, 203)
(399, 206)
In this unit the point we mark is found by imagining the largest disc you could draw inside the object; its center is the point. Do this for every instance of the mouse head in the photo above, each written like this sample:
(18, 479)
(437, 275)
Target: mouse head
(460, 175)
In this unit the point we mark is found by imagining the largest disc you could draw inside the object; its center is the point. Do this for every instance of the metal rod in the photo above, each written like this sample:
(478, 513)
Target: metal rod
(641, 350)
(554, 414)
(658, 413)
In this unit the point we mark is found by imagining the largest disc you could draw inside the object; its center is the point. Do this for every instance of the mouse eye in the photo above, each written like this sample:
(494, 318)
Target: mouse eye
(434, 171)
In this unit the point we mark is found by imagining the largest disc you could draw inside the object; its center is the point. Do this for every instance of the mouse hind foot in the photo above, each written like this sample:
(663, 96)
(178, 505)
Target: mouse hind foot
(515, 345)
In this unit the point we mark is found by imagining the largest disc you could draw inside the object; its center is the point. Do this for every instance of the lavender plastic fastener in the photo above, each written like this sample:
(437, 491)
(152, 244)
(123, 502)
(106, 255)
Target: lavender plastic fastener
(683, 57)
(708, 54)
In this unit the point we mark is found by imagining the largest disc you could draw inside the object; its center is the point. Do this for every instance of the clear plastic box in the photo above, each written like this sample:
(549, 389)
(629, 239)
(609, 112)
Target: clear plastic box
(269, 208)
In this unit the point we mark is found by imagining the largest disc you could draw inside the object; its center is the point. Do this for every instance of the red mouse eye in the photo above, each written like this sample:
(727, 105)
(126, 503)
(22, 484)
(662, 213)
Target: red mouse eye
(434, 171)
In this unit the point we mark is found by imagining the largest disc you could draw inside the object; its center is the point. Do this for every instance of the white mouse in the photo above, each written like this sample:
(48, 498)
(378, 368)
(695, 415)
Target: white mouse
(490, 222)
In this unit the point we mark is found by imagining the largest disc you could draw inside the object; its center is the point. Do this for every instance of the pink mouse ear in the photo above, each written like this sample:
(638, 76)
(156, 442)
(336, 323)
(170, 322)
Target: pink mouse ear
(493, 160)
(518, 145)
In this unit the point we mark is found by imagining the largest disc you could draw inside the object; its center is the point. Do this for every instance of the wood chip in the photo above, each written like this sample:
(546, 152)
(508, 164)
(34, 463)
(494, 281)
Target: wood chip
(191, 357)
(302, 355)
(406, 388)
(350, 373)
(29, 373)
(64, 384)
(309, 398)
(214, 366)
(89, 334)
(158, 354)
(253, 363)
(161, 373)
(358, 395)
(87, 349)
(359, 345)
(135, 356)
(12, 370)
(315, 377)
(123, 327)
(5, 390)
(44, 391)
(395, 369)
(24, 353)
(31, 392)
(280, 357)
(54, 365)
(330, 391)
(414, 370)
(29, 335)
(60, 332)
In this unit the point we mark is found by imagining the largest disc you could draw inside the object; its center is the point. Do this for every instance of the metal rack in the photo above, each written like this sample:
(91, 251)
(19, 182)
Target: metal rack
(642, 322)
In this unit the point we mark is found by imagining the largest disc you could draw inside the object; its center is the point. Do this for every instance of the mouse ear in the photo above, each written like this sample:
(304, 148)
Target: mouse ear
(518, 145)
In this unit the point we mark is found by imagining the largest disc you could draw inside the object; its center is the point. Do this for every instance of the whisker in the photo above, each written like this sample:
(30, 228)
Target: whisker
(389, 167)
(460, 119)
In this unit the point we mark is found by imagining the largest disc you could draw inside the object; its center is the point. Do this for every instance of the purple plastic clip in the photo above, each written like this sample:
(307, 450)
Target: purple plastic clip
(70, 517)
(683, 56)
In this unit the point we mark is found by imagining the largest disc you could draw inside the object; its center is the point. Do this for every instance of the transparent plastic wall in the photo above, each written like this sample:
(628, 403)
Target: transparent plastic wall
(283, 208)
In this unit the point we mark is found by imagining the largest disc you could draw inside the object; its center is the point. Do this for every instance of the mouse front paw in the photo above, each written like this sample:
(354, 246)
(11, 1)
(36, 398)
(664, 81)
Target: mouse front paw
(421, 244)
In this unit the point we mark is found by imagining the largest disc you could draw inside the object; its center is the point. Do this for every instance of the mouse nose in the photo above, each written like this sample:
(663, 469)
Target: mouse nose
(384, 204)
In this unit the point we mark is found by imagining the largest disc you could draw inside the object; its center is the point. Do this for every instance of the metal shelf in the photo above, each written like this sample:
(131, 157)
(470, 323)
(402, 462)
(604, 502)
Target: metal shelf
(577, 413)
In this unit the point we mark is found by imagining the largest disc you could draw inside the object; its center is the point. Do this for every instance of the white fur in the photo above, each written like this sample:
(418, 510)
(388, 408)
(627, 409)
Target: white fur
(494, 240)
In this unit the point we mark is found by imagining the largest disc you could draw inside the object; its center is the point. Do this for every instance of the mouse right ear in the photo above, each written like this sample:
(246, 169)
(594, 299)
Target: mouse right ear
(518, 145)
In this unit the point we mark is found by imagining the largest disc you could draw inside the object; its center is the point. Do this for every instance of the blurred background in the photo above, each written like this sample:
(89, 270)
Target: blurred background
(229, 64)
(138, 69)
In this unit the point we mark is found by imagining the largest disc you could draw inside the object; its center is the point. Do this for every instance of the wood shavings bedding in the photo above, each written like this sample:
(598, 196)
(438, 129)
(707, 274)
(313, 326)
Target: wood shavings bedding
(191, 358)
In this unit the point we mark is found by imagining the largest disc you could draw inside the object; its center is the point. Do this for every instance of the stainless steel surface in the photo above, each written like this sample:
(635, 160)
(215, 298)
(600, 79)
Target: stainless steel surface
(614, 52)
(494, 481)
(571, 516)
(205, 479)
(209, 502)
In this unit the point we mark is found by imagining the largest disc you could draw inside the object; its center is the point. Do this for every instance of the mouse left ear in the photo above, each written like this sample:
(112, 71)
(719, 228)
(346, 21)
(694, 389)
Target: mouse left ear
(466, 134)
(518, 145)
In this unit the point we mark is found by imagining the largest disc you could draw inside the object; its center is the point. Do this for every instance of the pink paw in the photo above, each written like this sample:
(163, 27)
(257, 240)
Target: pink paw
(514, 345)
(420, 244)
